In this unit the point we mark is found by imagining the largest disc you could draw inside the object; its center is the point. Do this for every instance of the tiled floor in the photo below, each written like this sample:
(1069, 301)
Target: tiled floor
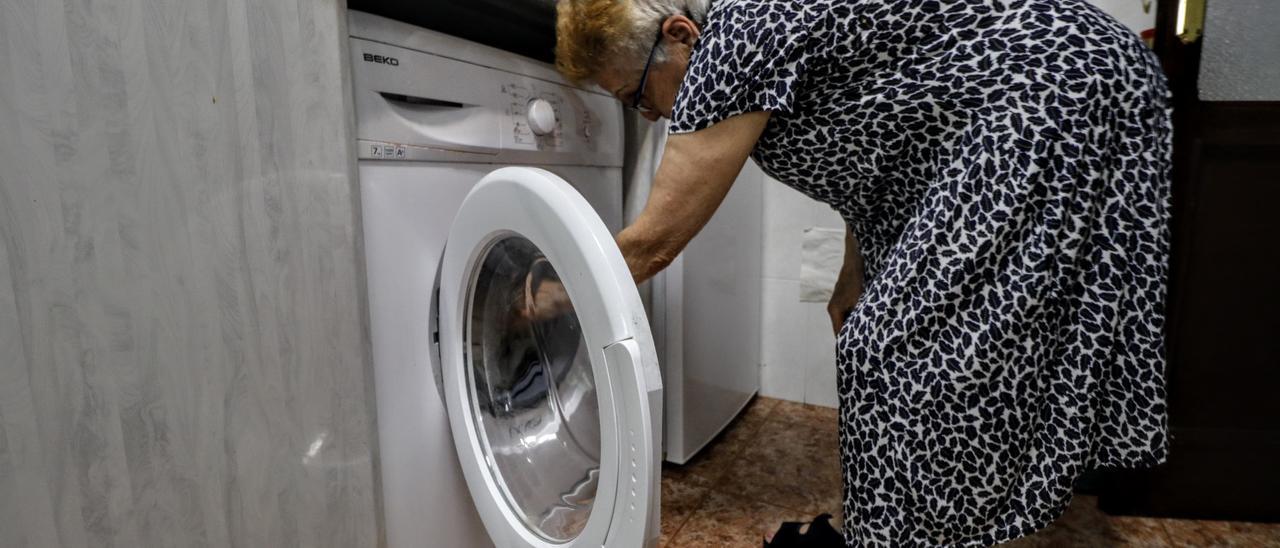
(778, 462)
(1084, 525)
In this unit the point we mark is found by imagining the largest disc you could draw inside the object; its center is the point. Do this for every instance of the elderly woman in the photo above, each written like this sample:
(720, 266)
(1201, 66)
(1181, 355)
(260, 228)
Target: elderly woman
(1002, 166)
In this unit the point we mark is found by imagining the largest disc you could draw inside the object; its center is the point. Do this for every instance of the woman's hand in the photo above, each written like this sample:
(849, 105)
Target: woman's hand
(843, 300)
(548, 300)
(541, 298)
(848, 289)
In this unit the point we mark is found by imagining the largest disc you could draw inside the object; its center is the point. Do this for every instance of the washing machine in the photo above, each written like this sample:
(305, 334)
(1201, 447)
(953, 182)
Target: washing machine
(518, 393)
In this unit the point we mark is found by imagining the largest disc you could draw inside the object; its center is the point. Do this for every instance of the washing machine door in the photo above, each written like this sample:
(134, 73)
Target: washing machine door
(549, 370)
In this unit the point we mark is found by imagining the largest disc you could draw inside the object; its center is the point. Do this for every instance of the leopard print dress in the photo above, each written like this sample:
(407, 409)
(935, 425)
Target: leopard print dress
(1004, 165)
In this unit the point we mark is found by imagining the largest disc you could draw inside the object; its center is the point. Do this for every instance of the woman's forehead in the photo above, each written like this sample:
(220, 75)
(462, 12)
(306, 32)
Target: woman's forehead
(613, 80)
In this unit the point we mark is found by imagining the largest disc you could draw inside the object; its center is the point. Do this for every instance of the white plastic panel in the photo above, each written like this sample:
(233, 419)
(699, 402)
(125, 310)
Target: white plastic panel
(407, 209)
(716, 290)
(1241, 56)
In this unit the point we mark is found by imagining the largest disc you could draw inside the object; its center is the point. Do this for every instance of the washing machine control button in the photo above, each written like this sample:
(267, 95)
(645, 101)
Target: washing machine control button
(542, 117)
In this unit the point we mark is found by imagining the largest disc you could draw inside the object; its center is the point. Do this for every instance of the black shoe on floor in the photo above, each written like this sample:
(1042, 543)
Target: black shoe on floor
(820, 535)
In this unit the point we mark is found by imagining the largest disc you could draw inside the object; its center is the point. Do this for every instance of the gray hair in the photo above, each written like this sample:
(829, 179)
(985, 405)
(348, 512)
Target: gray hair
(646, 18)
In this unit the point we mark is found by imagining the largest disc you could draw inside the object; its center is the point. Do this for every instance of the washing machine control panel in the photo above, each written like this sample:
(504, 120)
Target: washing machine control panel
(546, 116)
(430, 107)
(543, 118)
(535, 114)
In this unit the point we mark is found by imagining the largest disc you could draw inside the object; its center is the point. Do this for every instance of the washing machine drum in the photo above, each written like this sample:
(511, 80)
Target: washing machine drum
(535, 393)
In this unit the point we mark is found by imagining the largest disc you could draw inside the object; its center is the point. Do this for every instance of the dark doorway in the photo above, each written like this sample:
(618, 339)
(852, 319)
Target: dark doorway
(1224, 302)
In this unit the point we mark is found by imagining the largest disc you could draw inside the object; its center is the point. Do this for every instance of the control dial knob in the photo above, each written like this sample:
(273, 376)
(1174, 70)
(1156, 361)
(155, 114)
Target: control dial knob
(542, 117)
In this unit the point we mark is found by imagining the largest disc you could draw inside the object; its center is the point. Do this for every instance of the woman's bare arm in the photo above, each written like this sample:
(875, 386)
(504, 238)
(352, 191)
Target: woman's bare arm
(848, 289)
(696, 173)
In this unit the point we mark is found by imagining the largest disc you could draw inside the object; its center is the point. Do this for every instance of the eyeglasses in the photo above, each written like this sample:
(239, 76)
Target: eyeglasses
(644, 77)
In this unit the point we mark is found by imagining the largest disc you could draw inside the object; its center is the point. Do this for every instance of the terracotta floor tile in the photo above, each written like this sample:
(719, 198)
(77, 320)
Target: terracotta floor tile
(804, 413)
(1199, 533)
(680, 498)
(1083, 525)
(779, 462)
(834, 505)
(726, 520)
(1263, 534)
(1084, 518)
(1131, 531)
(793, 465)
(1185, 532)
(759, 408)
(717, 457)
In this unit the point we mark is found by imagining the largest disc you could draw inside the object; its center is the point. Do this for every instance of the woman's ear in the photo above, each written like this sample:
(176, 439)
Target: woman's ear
(681, 29)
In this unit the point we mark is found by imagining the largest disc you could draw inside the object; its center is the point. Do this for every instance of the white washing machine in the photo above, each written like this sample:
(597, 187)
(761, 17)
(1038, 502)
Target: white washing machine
(489, 186)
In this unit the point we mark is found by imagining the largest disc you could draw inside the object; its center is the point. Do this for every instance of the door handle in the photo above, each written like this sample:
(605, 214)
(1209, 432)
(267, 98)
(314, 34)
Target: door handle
(641, 390)
(1190, 20)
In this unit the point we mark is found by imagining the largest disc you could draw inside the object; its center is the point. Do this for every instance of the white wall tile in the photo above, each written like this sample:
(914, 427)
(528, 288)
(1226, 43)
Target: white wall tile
(787, 213)
(782, 382)
(797, 347)
(782, 340)
(822, 216)
(820, 356)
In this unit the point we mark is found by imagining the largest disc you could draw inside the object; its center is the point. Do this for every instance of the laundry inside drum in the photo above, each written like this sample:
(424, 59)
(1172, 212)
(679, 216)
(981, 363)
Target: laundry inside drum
(533, 391)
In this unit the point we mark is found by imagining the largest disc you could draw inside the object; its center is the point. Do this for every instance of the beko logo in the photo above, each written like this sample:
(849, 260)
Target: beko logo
(371, 58)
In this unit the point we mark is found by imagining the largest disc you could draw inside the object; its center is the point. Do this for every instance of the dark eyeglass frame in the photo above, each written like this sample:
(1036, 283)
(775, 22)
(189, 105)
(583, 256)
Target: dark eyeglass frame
(644, 76)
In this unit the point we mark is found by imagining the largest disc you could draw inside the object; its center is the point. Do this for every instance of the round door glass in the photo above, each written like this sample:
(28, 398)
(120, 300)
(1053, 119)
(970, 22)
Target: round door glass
(532, 390)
